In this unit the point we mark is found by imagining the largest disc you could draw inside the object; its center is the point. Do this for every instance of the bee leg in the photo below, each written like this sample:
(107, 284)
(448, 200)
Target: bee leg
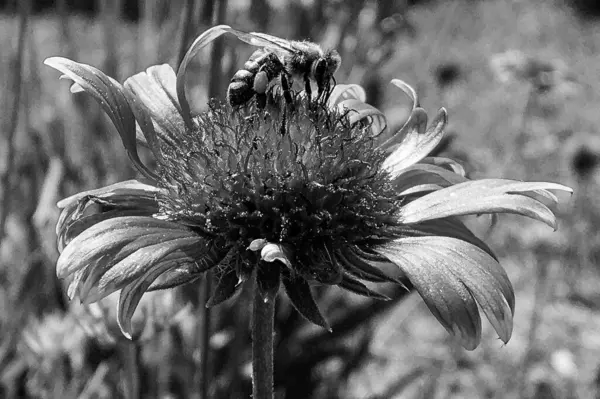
(261, 100)
(284, 126)
(285, 87)
(307, 87)
(324, 91)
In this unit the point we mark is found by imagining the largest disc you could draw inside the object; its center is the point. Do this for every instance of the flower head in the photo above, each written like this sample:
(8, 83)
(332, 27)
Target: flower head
(312, 192)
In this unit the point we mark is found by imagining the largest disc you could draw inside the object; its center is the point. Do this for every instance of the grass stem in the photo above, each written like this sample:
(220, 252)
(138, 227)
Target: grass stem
(17, 80)
(188, 15)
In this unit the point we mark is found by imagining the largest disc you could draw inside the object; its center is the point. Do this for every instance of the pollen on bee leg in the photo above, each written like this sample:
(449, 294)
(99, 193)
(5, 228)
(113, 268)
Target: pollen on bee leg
(261, 82)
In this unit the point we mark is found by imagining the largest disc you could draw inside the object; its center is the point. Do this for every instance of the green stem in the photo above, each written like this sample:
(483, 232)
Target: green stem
(202, 376)
(263, 316)
(129, 350)
(206, 334)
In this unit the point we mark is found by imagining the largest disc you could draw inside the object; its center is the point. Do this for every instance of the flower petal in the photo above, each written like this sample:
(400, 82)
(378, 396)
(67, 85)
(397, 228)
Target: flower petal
(131, 295)
(155, 90)
(359, 111)
(83, 210)
(482, 196)
(446, 163)
(109, 94)
(452, 275)
(257, 244)
(145, 132)
(447, 227)
(353, 264)
(178, 273)
(127, 187)
(272, 252)
(133, 267)
(112, 240)
(343, 92)
(298, 291)
(414, 141)
(198, 44)
(189, 265)
(93, 273)
(411, 179)
(408, 90)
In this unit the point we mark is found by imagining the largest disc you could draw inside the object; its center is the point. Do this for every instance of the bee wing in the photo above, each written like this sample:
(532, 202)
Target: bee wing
(263, 40)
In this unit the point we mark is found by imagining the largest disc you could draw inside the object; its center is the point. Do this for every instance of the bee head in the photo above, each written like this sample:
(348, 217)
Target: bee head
(326, 66)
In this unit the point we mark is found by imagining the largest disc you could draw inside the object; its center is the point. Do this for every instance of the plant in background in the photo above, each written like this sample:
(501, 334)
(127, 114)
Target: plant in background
(313, 193)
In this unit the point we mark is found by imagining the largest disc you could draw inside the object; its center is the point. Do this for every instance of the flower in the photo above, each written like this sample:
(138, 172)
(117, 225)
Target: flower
(157, 311)
(299, 194)
(543, 74)
(53, 348)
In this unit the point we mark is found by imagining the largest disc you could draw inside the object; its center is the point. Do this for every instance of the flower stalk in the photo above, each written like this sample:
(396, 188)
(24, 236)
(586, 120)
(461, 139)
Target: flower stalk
(263, 316)
(205, 331)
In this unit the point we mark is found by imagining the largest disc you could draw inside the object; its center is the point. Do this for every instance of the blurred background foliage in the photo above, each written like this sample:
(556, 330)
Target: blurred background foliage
(520, 81)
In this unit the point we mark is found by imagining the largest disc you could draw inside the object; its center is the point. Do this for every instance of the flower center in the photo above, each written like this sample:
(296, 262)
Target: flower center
(298, 173)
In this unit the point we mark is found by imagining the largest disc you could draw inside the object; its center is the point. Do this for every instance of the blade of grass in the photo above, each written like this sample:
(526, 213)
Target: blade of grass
(16, 77)
(217, 51)
(188, 14)
(542, 281)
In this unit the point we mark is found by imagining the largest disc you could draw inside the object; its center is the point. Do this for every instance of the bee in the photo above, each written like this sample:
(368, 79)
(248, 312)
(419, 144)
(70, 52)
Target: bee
(284, 60)
(261, 69)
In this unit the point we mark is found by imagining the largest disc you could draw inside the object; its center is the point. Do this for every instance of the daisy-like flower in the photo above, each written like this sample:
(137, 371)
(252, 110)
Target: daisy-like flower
(295, 195)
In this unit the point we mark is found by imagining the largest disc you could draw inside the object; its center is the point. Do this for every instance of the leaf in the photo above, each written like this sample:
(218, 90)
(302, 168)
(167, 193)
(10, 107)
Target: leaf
(482, 196)
(353, 285)
(298, 290)
(109, 94)
(226, 288)
(453, 276)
